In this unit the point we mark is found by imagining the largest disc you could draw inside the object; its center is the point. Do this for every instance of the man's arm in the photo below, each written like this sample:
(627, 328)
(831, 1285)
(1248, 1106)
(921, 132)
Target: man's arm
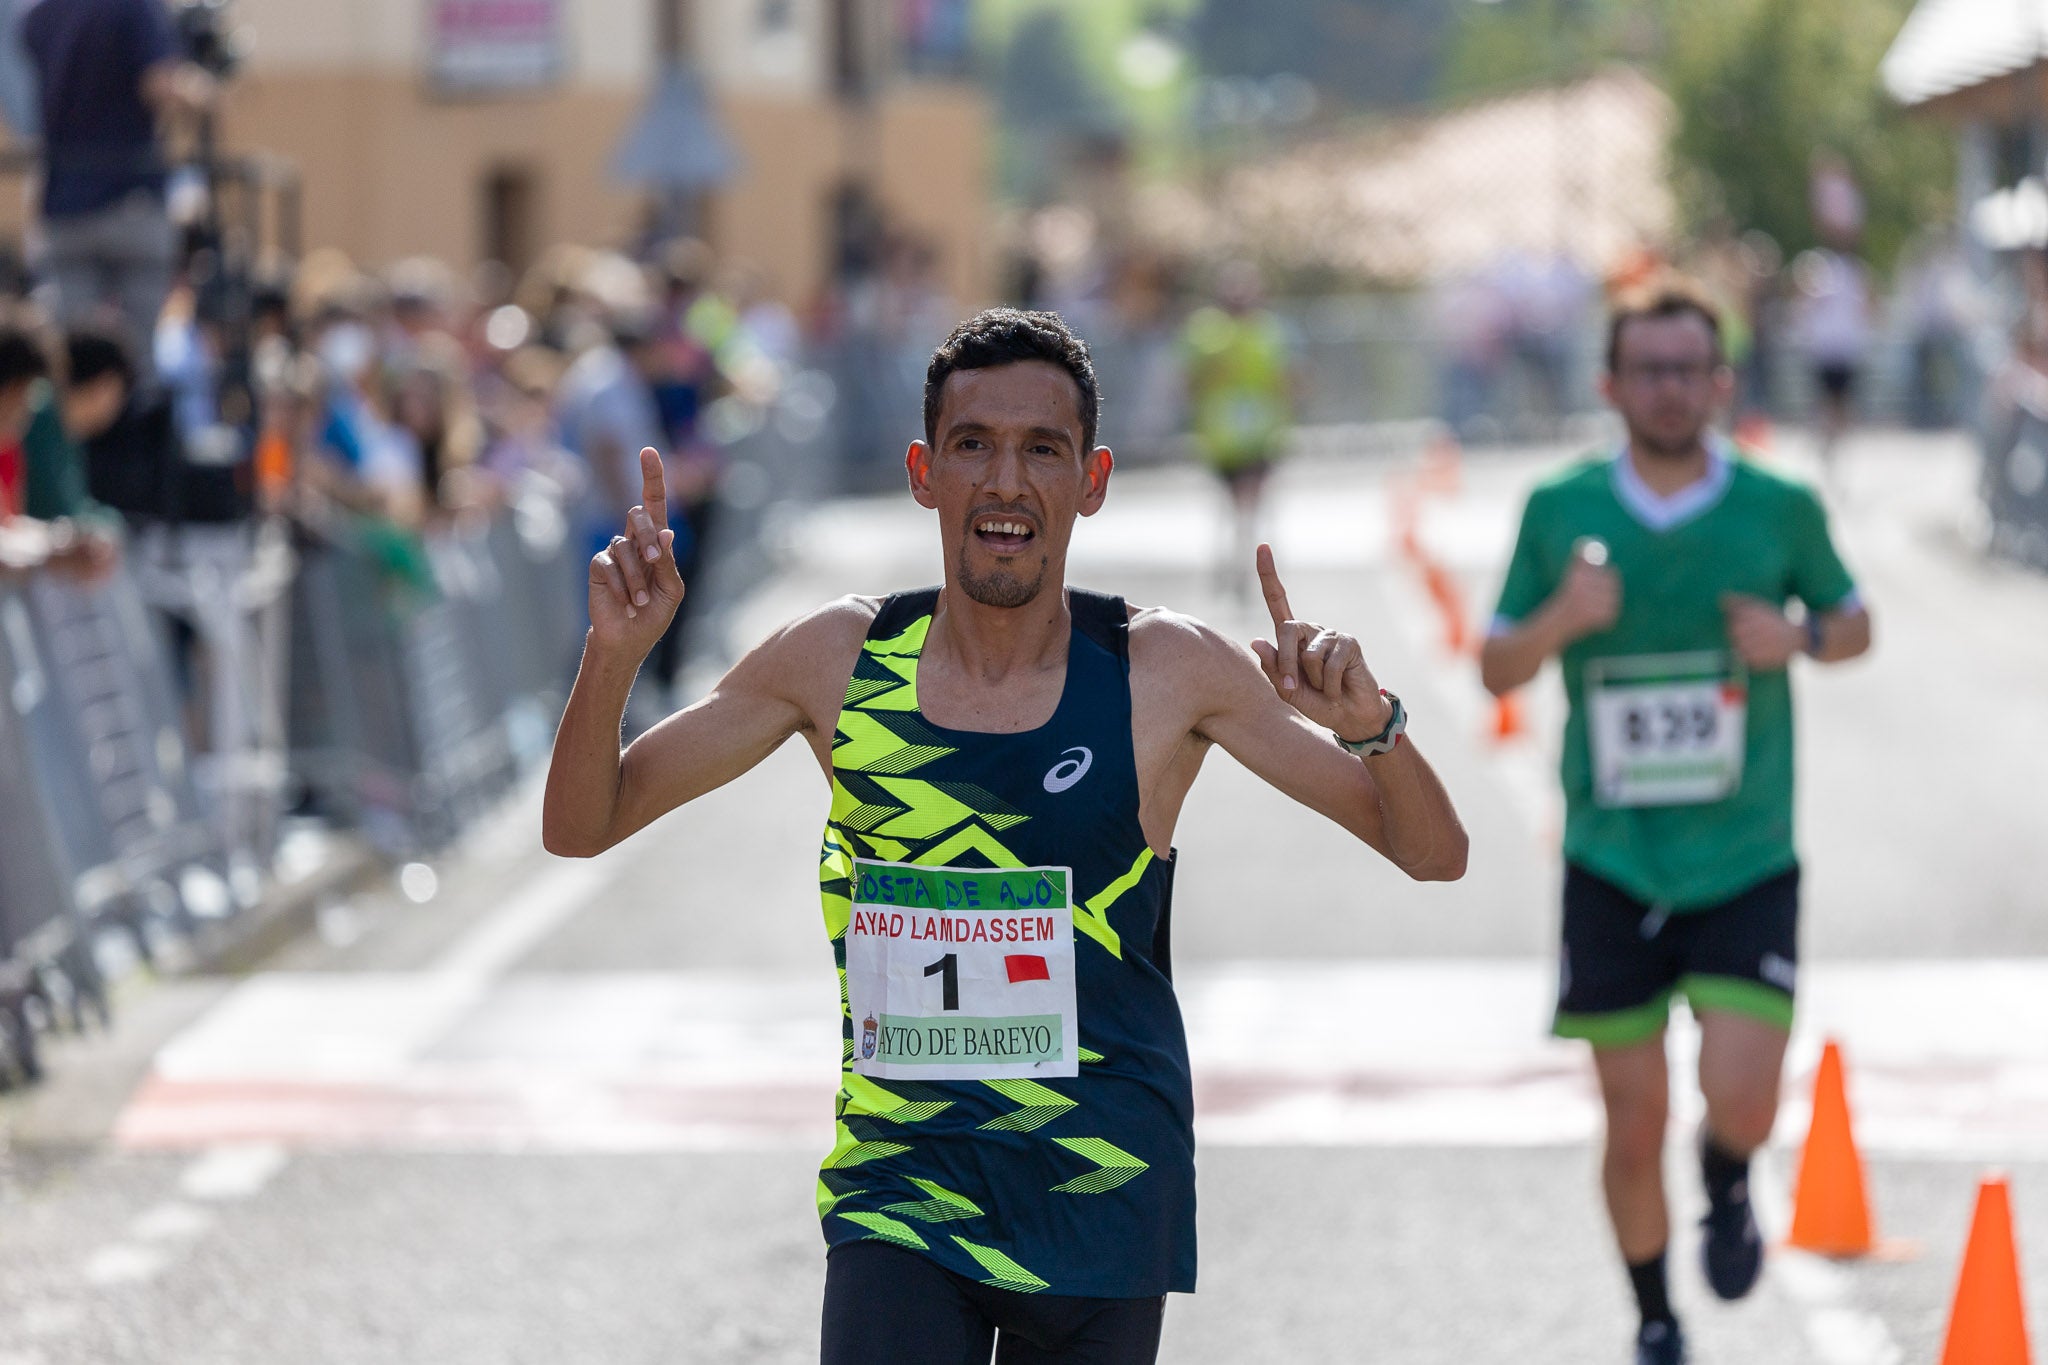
(1279, 725)
(1767, 639)
(596, 796)
(1589, 599)
(1841, 634)
(173, 86)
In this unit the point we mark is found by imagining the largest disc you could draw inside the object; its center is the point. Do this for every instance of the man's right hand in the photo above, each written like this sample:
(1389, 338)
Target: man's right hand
(635, 586)
(1588, 600)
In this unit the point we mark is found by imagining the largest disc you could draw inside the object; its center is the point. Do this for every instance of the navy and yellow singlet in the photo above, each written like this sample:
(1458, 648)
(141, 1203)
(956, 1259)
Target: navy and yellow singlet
(1015, 1101)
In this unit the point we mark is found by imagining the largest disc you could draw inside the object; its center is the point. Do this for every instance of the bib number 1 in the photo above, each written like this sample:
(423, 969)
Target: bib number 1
(959, 973)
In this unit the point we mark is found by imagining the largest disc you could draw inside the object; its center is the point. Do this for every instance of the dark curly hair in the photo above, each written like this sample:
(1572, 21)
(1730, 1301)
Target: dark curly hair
(1008, 336)
(22, 357)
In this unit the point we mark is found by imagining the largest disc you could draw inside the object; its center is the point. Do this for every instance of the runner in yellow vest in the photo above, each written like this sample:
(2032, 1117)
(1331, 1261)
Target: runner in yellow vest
(1241, 400)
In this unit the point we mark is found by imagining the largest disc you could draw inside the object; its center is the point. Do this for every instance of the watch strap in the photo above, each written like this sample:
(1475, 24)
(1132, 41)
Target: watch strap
(1386, 739)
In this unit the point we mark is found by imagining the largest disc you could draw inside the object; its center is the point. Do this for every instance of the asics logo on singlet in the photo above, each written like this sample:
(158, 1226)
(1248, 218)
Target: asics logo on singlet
(1068, 771)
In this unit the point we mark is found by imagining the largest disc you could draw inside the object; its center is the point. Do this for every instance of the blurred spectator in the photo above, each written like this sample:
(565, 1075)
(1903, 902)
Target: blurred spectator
(422, 292)
(1834, 318)
(767, 326)
(1944, 307)
(703, 346)
(524, 440)
(1475, 325)
(433, 414)
(607, 411)
(107, 71)
(1240, 378)
(1834, 327)
(1546, 299)
(42, 472)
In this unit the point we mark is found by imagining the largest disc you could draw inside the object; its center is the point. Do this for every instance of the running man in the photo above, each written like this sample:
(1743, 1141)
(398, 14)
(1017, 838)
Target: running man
(1006, 757)
(1660, 577)
(1241, 383)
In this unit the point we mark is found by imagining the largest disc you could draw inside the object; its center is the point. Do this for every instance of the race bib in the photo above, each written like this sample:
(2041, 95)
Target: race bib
(1666, 729)
(961, 974)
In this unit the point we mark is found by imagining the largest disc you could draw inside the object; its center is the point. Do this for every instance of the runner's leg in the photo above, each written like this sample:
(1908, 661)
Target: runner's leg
(1741, 966)
(888, 1306)
(1635, 1089)
(1620, 963)
(1742, 1060)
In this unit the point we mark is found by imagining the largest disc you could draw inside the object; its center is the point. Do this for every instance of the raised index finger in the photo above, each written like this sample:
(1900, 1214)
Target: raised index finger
(653, 487)
(1276, 594)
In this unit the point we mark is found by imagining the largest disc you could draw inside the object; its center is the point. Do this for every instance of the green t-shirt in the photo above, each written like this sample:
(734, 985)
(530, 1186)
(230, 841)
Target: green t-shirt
(1754, 532)
(1237, 385)
(55, 486)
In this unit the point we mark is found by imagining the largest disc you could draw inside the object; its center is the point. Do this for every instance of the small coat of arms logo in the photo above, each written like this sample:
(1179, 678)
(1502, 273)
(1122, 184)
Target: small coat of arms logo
(867, 1038)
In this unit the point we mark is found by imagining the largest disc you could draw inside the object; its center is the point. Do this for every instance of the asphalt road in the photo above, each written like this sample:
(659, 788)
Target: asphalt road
(520, 1123)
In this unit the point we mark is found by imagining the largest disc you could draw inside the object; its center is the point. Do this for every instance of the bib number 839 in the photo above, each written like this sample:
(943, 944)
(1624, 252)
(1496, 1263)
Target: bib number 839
(1669, 726)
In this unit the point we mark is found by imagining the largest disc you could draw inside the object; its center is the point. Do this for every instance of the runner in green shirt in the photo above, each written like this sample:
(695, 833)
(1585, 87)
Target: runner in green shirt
(1661, 577)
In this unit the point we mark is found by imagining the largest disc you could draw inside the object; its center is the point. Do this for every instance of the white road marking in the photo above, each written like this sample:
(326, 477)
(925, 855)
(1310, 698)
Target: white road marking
(48, 1319)
(232, 1170)
(524, 921)
(171, 1221)
(1838, 1331)
(125, 1263)
(1948, 1058)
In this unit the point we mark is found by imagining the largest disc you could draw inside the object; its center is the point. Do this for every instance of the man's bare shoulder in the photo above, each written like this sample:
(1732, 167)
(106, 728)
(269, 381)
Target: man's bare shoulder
(1191, 654)
(826, 637)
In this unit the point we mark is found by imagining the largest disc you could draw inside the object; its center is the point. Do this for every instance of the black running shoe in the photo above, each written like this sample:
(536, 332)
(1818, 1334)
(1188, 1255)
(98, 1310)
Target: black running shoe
(1731, 1248)
(1660, 1343)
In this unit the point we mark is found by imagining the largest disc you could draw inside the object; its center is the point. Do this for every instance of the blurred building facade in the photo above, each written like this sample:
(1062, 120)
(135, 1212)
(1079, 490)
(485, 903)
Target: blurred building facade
(1984, 69)
(490, 129)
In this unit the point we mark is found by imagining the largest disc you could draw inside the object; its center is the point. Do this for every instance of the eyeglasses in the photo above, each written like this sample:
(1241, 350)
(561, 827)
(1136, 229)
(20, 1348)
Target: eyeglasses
(1651, 373)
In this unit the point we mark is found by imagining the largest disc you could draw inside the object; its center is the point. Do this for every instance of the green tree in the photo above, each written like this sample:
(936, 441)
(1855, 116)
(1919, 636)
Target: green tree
(1761, 85)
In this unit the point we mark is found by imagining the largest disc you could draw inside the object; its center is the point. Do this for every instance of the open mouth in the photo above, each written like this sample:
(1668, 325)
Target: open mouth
(1004, 534)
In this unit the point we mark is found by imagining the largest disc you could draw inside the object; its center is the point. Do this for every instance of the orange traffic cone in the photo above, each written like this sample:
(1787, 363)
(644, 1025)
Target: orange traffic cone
(1831, 1213)
(1988, 1324)
(1450, 603)
(1442, 463)
(1507, 715)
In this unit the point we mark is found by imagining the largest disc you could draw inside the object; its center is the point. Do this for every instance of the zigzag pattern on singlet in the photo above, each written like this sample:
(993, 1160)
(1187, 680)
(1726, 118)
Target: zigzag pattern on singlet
(882, 811)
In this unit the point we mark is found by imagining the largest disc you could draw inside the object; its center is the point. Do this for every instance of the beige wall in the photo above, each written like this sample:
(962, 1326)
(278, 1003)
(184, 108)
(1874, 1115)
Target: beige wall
(606, 42)
(390, 172)
(390, 169)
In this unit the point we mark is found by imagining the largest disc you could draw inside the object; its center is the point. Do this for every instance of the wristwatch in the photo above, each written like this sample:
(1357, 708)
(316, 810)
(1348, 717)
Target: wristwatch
(1385, 740)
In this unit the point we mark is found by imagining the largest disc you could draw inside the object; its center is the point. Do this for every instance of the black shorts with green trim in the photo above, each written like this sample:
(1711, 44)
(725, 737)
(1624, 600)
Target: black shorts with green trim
(1624, 958)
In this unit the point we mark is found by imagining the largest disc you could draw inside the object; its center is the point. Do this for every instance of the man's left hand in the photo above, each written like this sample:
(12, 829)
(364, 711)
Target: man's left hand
(1761, 634)
(1319, 672)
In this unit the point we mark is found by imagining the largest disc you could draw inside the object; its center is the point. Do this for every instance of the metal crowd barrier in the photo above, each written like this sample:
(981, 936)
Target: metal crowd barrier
(100, 825)
(422, 683)
(2015, 488)
(423, 675)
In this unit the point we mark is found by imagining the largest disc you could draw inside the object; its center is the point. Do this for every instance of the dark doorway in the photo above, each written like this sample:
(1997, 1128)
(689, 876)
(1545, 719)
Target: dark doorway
(511, 211)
